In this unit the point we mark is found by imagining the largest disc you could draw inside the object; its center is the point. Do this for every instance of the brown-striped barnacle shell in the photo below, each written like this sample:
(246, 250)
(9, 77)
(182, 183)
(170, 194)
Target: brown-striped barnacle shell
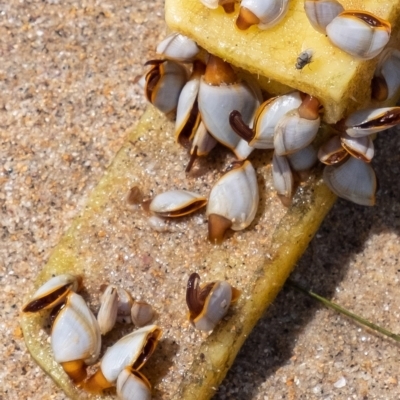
(371, 120)
(263, 13)
(53, 292)
(210, 303)
(75, 337)
(233, 201)
(220, 93)
(178, 47)
(261, 136)
(361, 147)
(133, 385)
(107, 315)
(202, 144)
(176, 203)
(187, 113)
(359, 33)
(282, 178)
(141, 313)
(133, 350)
(321, 12)
(386, 80)
(332, 152)
(163, 84)
(297, 128)
(353, 180)
(228, 5)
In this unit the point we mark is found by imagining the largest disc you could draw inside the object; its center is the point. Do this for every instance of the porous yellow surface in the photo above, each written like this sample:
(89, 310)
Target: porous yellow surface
(338, 80)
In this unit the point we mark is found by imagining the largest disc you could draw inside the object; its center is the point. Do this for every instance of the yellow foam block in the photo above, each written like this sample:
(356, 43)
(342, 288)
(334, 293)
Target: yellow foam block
(338, 80)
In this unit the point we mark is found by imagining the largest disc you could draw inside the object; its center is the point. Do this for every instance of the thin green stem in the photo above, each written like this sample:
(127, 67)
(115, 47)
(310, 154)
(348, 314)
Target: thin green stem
(342, 310)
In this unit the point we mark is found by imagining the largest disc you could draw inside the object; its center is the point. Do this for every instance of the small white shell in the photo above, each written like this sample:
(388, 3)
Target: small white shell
(75, 334)
(128, 351)
(353, 180)
(164, 83)
(178, 47)
(332, 151)
(141, 313)
(107, 315)
(389, 69)
(187, 113)
(372, 120)
(282, 176)
(213, 4)
(205, 313)
(267, 12)
(361, 34)
(268, 116)
(235, 197)
(217, 102)
(293, 133)
(203, 142)
(176, 203)
(303, 159)
(321, 12)
(125, 302)
(132, 385)
(362, 147)
(58, 287)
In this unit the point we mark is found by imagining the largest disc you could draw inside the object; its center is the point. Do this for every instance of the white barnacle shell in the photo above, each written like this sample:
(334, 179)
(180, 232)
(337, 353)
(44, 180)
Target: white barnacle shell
(187, 113)
(267, 115)
(141, 313)
(53, 292)
(125, 302)
(107, 315)
(282, 177)
(228, 5)
(176, 203)
(293, 133)
(321, 12)
(361, 147)
(215, 105)
(75, 337)
(233, 201)
(164, 82)
(359, 33)
(133, 385)
(332, 151)
(210, 303)
(371, 120)
(203, 142)
(178, 47)
(132, 350)
(263, 13)
(388, 69)
(75, 333)
(352, 180)
(303, 159)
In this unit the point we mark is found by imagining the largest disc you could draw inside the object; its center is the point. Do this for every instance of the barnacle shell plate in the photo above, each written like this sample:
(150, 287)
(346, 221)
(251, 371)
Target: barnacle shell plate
(217, 102)
(235, 196)
(75, 333)
(176, 203)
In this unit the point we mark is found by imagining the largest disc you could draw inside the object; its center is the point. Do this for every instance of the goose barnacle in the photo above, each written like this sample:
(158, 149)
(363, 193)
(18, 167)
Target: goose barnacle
(53, 292)
(210, 303)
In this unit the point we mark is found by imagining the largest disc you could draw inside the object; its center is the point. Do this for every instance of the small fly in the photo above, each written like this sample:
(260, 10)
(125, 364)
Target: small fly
(304, 58)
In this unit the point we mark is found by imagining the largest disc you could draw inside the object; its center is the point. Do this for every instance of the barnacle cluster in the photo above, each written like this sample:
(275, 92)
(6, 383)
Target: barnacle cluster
(76, 333)
(214, 105)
